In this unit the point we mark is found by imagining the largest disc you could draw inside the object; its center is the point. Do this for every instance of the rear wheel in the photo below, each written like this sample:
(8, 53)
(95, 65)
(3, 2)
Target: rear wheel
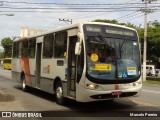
(59, 94)
(24, 86)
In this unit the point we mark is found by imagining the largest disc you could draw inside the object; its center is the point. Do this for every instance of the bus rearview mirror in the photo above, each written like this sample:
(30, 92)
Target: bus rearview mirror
(78, 49)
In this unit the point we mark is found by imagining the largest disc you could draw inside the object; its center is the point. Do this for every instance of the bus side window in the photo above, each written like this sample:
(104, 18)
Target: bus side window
(15, 49)
(31, 47)
(60, 44)
(48, 46)
(24, 52)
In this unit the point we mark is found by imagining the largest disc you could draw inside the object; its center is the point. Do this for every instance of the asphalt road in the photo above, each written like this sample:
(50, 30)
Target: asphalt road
(13, 99)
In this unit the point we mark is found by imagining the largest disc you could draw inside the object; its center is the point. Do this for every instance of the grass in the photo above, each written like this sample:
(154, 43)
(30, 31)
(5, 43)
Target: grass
(152, 82)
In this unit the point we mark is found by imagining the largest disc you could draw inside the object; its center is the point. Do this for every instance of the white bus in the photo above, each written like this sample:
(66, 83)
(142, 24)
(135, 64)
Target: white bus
(88, 61)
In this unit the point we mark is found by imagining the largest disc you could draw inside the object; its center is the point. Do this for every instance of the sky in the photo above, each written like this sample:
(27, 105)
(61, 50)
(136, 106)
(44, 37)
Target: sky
(82, 10)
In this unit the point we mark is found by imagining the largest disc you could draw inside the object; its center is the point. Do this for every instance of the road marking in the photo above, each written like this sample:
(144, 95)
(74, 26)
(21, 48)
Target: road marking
(145, 103)
(151, 91)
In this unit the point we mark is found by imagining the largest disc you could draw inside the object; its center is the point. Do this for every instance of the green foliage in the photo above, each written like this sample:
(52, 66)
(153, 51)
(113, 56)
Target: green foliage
(107, 21)
(1, 55)
(7, 45)
(117, 23)
(153, 41)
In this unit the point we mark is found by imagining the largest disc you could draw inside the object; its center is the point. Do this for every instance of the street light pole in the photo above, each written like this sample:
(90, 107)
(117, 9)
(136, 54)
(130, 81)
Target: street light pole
(7, 14)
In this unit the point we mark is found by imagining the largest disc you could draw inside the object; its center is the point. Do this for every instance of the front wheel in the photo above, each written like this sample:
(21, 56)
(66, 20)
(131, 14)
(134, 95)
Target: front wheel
(59, 94)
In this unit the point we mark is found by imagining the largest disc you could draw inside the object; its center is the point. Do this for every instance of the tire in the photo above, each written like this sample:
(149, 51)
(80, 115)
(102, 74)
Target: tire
(59, 94)
(24, 86)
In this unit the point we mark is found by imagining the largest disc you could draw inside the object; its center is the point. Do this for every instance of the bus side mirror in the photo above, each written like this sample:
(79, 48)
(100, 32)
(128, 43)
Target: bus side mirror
(78, 48)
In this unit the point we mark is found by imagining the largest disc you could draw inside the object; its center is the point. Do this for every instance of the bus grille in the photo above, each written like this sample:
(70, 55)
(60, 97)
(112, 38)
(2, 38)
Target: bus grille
(108, 96)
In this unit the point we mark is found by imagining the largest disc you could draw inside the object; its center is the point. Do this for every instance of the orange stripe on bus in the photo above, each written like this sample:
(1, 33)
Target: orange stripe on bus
(26, 69)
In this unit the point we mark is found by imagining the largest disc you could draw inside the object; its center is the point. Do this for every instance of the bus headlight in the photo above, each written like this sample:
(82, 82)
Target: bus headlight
(91, 86)
(137, 83)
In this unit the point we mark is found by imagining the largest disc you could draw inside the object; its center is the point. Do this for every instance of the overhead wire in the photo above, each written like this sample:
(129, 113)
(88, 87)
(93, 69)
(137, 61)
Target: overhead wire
(133, 14)
(93, 4)
(129, 16)
(83, 8)
(135, 17)
(100, 14)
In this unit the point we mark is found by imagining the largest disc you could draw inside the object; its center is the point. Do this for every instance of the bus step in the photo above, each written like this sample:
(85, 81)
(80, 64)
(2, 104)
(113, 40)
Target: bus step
(72, 93)
(70, 97)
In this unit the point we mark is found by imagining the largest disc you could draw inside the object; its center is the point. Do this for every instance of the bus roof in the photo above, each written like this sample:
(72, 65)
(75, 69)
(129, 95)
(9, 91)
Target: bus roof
(76, 25)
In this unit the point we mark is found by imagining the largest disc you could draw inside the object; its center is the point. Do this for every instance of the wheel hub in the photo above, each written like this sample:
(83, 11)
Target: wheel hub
(59, 92)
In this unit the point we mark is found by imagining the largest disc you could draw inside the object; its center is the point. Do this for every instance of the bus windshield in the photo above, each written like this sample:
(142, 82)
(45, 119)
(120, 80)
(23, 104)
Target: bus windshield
(7, 61)
(111, 58)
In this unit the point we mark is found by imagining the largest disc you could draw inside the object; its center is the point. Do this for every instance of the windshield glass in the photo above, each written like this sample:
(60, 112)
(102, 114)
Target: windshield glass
(112, 59)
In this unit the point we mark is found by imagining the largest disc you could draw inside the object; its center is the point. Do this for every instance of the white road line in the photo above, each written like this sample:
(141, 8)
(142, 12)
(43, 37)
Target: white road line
(145, 103)
(151, 91)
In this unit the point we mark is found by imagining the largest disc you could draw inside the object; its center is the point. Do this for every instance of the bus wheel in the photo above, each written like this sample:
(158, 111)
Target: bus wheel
(59, 94)
(24, 86)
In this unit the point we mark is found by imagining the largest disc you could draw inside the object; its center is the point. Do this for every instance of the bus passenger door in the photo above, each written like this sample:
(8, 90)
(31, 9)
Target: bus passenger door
(38, 64)
(72, 63)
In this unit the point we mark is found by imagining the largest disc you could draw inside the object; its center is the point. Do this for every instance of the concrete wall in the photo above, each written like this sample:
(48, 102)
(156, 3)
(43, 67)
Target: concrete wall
(26, 32)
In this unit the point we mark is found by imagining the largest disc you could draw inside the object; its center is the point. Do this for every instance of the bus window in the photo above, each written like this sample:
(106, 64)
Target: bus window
(48, 46)
(15, 49)
(60, 44)
(31, 47)
(24, 48)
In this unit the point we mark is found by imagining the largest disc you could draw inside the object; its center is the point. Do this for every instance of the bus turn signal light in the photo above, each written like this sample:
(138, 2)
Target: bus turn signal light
(91, 86)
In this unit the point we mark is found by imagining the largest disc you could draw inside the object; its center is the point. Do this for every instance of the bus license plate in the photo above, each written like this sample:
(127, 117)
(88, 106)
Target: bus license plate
(116, 93)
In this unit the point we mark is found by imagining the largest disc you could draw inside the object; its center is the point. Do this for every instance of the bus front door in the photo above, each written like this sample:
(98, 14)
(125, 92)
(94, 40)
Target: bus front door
(72, 63)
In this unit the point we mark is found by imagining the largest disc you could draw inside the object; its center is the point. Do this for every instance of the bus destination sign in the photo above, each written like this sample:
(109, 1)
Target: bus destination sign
(110, 31)
(118, 32)
(93, 29)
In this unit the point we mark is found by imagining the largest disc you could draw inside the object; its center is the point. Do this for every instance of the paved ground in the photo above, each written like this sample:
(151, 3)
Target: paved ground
(12, 98)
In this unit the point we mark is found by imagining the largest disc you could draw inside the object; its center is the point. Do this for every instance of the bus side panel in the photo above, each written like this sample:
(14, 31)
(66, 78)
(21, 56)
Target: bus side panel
(50, 69)
(26, 70)
(46, 81)
(16, 69)
(32, 66)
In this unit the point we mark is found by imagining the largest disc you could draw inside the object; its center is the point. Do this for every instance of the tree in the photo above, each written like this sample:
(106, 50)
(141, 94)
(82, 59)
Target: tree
(7, 45)
(153, 41)
(1, 55)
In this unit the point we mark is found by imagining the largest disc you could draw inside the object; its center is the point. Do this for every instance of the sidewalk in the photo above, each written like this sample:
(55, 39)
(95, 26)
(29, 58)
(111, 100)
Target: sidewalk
(4, 96)
(8, 102)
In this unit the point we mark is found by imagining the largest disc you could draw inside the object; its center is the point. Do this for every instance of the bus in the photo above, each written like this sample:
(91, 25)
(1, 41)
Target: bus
(7, 63)
(87, 61)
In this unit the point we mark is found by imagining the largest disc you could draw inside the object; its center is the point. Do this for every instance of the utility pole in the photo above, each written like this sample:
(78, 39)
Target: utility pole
(146, 11)
(65, 20)
(145, 42)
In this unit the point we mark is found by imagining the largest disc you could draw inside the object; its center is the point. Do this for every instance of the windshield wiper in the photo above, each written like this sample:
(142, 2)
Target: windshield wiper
(122, 45)
(103, 40)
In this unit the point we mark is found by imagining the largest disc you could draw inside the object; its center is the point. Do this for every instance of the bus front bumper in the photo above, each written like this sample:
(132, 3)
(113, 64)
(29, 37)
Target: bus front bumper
(86, 95)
